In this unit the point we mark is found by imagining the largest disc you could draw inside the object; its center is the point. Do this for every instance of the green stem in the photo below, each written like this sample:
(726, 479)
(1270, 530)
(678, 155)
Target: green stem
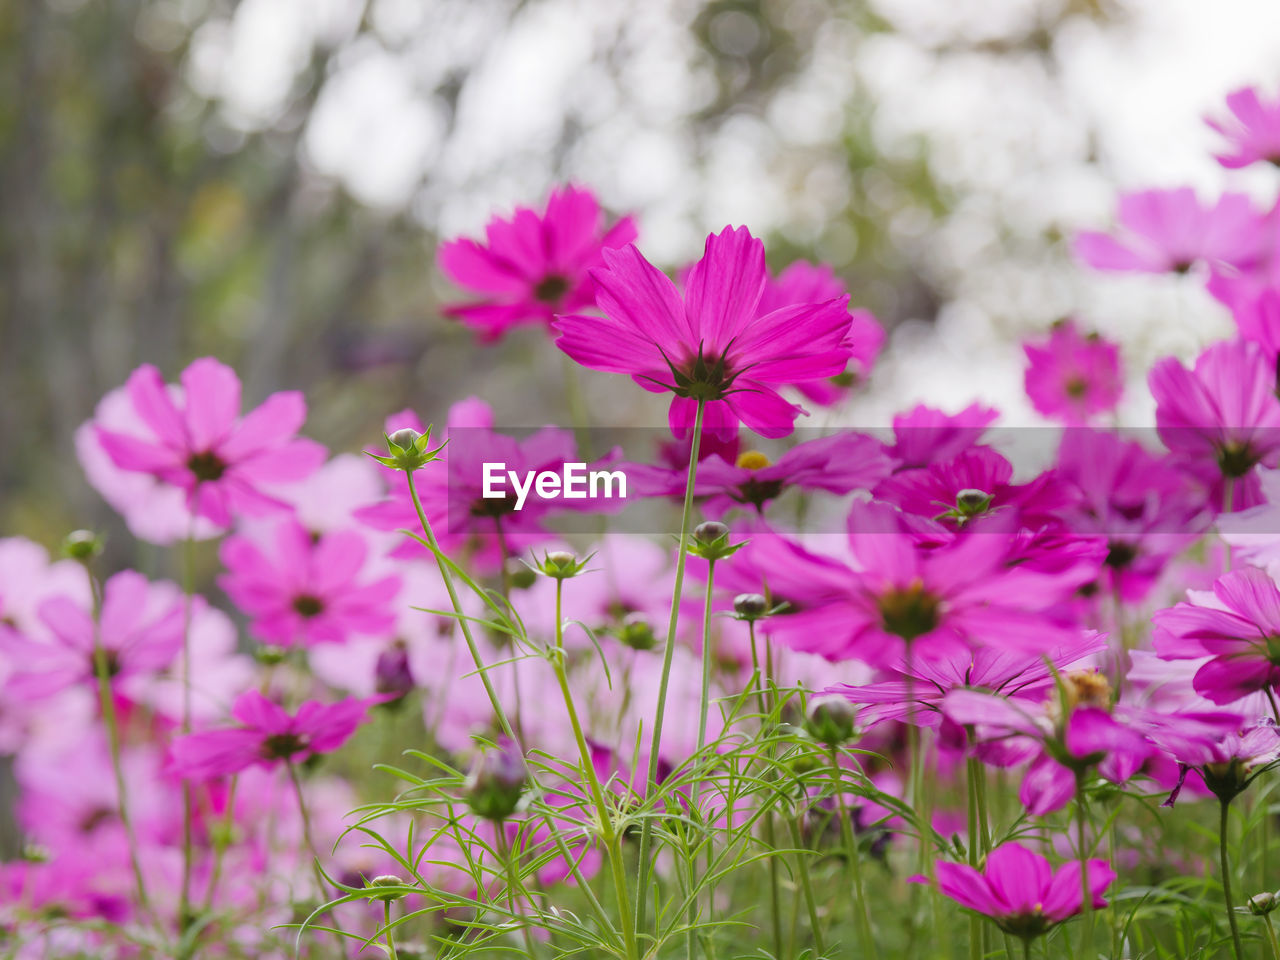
(111, 721)
(668, 654)
(775, 899)
(1086, 895)
(1224, 807)
(609, 834)
(866, 939)
(306, 827)
(188, 589)
(513, 881)
(806, 888)
(457, 608)
(1271, 937)
(707, 660)
(386, 923)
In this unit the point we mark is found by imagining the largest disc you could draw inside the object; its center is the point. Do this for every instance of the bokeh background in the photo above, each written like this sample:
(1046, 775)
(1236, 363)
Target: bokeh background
(267, 180)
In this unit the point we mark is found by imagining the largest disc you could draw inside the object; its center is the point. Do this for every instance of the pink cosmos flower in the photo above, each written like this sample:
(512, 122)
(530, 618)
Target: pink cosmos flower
(140, 630)
(915, 693)
(194, 438)
(1221, 418)
(841, 463)
(1087, 733)
(303, 589)
(1146, 509)
(950, 494)
(1252, 133)
(804, 282)
(1169, 231)
(1020, 892)
(1073, 377)
(938, 602)
(267, 735)
(924, 435)
(711, 344)
(452, 490)
(1228, 765)
(532, 266)
(1237, 625)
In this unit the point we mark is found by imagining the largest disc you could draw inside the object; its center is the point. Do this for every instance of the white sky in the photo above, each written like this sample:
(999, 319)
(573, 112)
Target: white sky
(1003, 131)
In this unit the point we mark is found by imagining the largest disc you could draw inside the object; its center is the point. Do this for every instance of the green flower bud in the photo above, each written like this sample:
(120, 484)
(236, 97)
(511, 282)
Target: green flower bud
(407, 450)
(561, 564)
(637, 633)
(82, 545)
(497, 781)
(711, 541)
(386, 880)
(830, 720)
(1263, 903)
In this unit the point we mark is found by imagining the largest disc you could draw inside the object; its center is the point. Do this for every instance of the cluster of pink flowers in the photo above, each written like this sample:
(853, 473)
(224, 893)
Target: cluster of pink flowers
(1062, 624)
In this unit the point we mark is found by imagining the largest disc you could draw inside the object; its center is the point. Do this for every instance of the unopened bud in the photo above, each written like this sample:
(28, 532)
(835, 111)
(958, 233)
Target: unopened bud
(1263, 903)
(830, 720)
(637, 633)
(519, 576)
(392, 673)
(82, 545)
(496, 781)
(750, 606)
(405, 437)
(710, 531)
(270, 656)
(387, 880)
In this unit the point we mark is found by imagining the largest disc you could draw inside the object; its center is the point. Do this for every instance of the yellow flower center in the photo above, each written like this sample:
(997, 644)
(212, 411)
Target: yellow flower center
(752, 460)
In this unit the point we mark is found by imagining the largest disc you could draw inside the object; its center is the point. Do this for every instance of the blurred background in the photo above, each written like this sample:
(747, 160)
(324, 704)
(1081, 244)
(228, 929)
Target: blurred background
(267, 180)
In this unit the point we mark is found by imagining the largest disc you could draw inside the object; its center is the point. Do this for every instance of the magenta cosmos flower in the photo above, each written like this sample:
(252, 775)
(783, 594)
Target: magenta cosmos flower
(1252, 133)
(1140, 502)
(1238, 625)
(923, 435)
(304, 589)
(1071, 376)
(532, 266)
(1221, 418)
(841, 463)
(452, 489)
(140, 631)
(193, 437)
(268, 735)
(897, 595)
(711, 344)
(804, 282)
(1169, 231)
(1020, 892)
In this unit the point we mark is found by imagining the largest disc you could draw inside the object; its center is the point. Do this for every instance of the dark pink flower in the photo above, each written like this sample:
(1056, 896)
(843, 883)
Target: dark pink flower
(193, 437)
(1221, 418)
(452, 490)
(841, 463)
(1252, 133)
(1169, 231)
(303, 589)
(897, 595)
(1146, 509)
(1073, 377)
(140, 631)
(1238, 625)
(267, 735)
(532, 266)
(804, 282)
(924, 435)
(1020, 891)
(1226, 766)
(711, 344)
